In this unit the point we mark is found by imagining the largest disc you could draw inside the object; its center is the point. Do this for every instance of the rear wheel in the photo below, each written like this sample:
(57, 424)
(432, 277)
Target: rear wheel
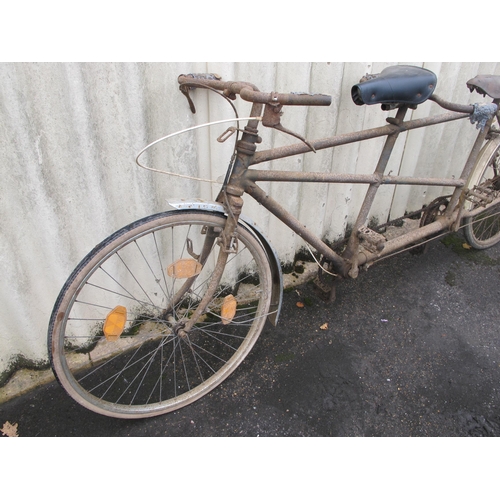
(483, 230)
(116, 335)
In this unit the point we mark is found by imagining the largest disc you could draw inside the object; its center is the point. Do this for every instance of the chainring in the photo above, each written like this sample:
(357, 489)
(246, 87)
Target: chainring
(429, 214)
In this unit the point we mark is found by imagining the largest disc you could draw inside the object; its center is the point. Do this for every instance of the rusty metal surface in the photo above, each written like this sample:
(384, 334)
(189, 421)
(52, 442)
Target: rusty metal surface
(249, 92)
(355, 255)
(450, 106)
(276, 209)
(351, 137)
(327, 177)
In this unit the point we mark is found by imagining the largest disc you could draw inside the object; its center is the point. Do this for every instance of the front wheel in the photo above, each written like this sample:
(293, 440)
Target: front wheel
(483, 230)
(116, 336)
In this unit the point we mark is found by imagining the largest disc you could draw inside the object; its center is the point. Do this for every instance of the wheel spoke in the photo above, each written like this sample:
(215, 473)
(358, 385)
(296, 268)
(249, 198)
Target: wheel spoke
(152, 366)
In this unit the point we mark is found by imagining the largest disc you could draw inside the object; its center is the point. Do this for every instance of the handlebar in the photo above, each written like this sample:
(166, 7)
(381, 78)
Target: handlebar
(249, 92)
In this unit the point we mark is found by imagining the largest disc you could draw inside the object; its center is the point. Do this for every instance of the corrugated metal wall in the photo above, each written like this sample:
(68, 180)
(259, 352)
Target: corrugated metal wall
(70, 133)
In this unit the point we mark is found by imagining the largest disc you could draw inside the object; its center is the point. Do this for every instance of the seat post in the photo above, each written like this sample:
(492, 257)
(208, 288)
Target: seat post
(352, 248)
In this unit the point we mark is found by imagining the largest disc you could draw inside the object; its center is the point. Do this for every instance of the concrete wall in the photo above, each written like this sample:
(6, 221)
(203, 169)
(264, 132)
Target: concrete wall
(70, 133)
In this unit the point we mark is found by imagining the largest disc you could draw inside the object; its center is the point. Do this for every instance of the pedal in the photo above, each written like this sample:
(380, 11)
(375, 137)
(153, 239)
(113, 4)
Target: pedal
(482, 195)
(371, 240)
(326, 292)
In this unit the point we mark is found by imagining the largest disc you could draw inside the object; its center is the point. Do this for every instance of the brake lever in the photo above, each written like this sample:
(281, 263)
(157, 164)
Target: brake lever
(185, 87)
(185, 90)
(272, 119)
(294, 134)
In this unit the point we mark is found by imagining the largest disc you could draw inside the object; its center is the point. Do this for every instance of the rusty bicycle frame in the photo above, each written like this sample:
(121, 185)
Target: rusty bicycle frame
(242, 179)
(199, 286)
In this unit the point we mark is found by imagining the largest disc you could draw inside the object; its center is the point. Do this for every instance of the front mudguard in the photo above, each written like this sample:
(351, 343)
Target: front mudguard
(272, 256)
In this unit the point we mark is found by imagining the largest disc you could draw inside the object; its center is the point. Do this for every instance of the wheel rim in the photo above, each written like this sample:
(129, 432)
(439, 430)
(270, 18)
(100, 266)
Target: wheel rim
(152, 367)
(486, 226)
(483, 230)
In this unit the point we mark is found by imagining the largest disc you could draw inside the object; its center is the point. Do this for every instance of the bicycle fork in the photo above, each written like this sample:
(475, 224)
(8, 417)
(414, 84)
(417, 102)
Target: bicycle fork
(228, 244)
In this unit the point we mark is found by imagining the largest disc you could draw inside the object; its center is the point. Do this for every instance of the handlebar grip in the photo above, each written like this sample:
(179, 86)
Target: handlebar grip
(210, 79)
(310, 99)
(291, 99)
(202, 76)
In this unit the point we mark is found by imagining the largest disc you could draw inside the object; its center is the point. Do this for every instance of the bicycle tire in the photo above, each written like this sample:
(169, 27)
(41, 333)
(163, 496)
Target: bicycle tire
(151, 368)
(483, 230)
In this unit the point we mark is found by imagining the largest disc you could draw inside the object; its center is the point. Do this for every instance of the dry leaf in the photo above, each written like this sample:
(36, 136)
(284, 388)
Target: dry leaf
(228, 309)
(9, 430)
(324, 326)
(299, 304)
(466, 246)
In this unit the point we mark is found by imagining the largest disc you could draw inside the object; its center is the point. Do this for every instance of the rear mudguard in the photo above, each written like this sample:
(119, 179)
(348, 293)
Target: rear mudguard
(272, 256)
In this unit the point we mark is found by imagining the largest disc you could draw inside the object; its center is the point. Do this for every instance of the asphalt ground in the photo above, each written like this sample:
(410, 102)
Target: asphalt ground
(411, 348)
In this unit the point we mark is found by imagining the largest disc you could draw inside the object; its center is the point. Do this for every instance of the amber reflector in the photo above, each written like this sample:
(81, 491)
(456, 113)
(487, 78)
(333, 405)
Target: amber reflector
(184, 268)
(228, 309)
(115, 323)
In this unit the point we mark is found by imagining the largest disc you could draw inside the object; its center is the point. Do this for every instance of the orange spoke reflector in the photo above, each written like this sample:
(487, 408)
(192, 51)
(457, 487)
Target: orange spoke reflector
(228, 309)
(184, 268)
(115, 323)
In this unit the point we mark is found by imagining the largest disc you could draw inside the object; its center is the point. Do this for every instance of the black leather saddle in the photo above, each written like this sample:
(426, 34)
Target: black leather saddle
(407, 85)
